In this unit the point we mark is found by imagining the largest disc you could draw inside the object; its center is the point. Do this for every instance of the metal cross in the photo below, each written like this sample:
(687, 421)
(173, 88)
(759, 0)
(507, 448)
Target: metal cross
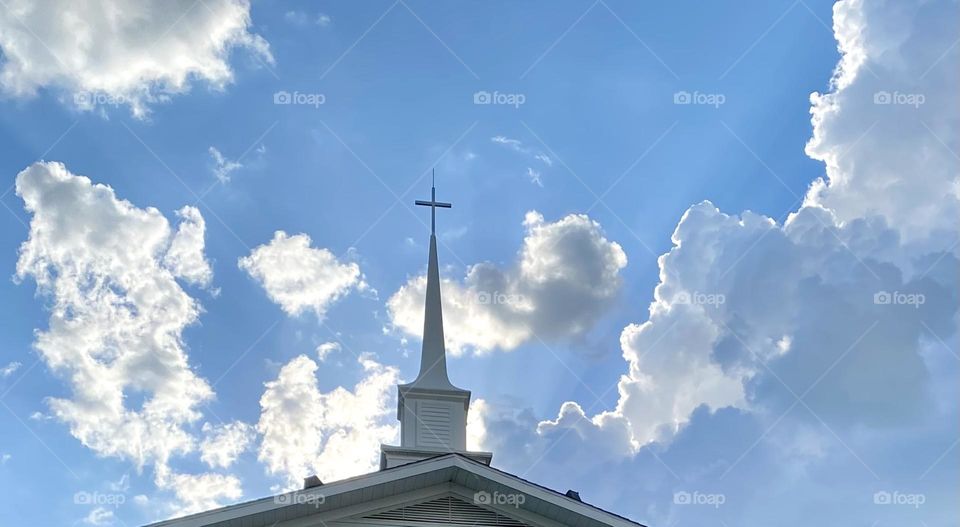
(433, 204)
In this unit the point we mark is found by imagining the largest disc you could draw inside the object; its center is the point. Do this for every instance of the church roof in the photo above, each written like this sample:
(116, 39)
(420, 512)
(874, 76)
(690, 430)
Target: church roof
(453, 475)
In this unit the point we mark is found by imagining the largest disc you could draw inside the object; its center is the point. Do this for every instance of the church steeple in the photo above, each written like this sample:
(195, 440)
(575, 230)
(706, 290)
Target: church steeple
(432, 411)
(433, 355)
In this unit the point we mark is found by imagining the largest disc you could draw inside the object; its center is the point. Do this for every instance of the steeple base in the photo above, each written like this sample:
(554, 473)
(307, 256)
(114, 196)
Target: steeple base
(394, 456)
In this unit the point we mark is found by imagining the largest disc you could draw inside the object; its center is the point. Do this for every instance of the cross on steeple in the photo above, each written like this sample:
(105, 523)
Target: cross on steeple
(433, 203)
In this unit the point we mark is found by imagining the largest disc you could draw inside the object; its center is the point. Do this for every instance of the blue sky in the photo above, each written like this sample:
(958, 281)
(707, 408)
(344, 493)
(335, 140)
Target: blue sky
(603, 126)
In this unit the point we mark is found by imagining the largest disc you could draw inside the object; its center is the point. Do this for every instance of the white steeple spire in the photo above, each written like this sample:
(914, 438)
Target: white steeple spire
(432, 411)
(433, 355)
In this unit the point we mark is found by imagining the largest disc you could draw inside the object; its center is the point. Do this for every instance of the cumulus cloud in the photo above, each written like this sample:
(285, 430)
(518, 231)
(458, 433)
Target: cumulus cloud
(299, 277)
(476, 424)
(518, 439)
(200, 492)
(332, 435)
(117, 314)
(886, 133)
(185, 257)
(567, 273)
(223, 443)
(834, 306)
(116, 318)
(132, 52)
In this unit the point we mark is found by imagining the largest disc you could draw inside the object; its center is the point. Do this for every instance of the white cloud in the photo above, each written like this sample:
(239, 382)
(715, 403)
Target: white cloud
(223, 167)
(185, 257)
(891, 160)
(289, 420)
(298, 18)
(132, 52)
(99, 516)
(749, 312)
(325, 349)
(10, 368)
(200, 492)
(609, 431)
(332, 435)
(567, 273)
(517, 146)
(476, 424)
(534, 176)
(301, 18)
(116, 318)
(117, 314)
(40, 416)
(299, 277)
(224, 442)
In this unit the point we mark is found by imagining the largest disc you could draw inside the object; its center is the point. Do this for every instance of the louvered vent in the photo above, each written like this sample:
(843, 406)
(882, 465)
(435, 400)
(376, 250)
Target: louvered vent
(434, 424)
(449, 511)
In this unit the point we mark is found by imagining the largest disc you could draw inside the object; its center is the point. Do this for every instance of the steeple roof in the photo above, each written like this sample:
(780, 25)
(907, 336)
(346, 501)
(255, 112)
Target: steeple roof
(433, 353)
